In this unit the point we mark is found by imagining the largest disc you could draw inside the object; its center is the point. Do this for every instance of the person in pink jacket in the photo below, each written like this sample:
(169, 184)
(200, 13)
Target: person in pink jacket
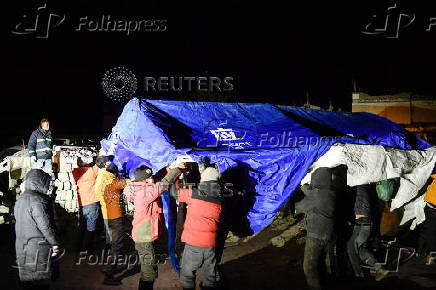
(147, 217)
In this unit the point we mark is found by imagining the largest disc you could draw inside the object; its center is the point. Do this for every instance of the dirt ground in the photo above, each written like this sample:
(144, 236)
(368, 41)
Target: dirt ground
(253, 264)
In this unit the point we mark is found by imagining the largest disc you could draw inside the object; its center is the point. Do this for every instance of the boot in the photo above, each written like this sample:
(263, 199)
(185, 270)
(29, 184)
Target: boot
(110, 280)
(145, 285)
(113, 270)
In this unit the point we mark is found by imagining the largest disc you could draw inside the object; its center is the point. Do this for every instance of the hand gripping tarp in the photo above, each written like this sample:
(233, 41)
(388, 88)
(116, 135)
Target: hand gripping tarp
(264, 150)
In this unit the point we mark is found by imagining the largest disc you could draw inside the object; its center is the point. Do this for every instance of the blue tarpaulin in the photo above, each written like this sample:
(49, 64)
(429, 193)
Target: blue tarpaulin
(264, 150)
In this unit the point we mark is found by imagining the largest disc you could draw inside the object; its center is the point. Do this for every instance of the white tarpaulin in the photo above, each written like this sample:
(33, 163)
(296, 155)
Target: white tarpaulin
(373, 163)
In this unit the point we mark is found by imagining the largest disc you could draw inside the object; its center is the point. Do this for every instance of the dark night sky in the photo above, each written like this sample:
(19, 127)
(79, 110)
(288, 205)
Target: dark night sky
(276, 52)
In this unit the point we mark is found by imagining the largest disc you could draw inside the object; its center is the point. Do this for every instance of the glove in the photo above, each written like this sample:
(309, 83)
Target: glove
(172, 165)
(55, 250)
(183, 159)
(33, 159)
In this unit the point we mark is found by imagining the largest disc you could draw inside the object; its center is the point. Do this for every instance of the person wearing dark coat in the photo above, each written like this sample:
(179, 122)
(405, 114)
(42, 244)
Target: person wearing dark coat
(40, 147)
(357, 245)
(318, 205)
(36, 242)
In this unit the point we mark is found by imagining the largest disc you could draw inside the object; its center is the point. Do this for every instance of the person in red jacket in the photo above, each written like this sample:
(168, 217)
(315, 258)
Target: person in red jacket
(147, 217)
(200, 229)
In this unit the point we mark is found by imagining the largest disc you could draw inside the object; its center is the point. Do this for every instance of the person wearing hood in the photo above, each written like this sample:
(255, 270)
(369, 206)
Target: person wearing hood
(145, 193)
(201, 229)
(39, 145)
(36, 242)
(318, 205)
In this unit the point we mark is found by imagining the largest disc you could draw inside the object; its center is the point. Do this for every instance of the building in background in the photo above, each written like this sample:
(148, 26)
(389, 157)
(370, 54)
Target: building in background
(417, 113)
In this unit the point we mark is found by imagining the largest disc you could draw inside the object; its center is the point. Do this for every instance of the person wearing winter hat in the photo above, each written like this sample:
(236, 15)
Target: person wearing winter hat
(108, 190)
(85, 176)
(144, 193)
(102, 161)
(200, 229)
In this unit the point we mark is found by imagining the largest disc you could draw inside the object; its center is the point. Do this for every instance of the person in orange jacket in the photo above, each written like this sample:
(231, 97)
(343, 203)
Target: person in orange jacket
(85, 177)
(430, 220)
(144, 193)
(200, 229)
(108, 190)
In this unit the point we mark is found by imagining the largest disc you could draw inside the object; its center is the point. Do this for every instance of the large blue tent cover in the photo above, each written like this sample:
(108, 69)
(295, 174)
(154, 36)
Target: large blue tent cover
(266, 149)
(263, 150)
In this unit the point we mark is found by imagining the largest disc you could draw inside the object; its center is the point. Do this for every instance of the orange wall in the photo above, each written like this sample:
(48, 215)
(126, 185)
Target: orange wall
(401, 112)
